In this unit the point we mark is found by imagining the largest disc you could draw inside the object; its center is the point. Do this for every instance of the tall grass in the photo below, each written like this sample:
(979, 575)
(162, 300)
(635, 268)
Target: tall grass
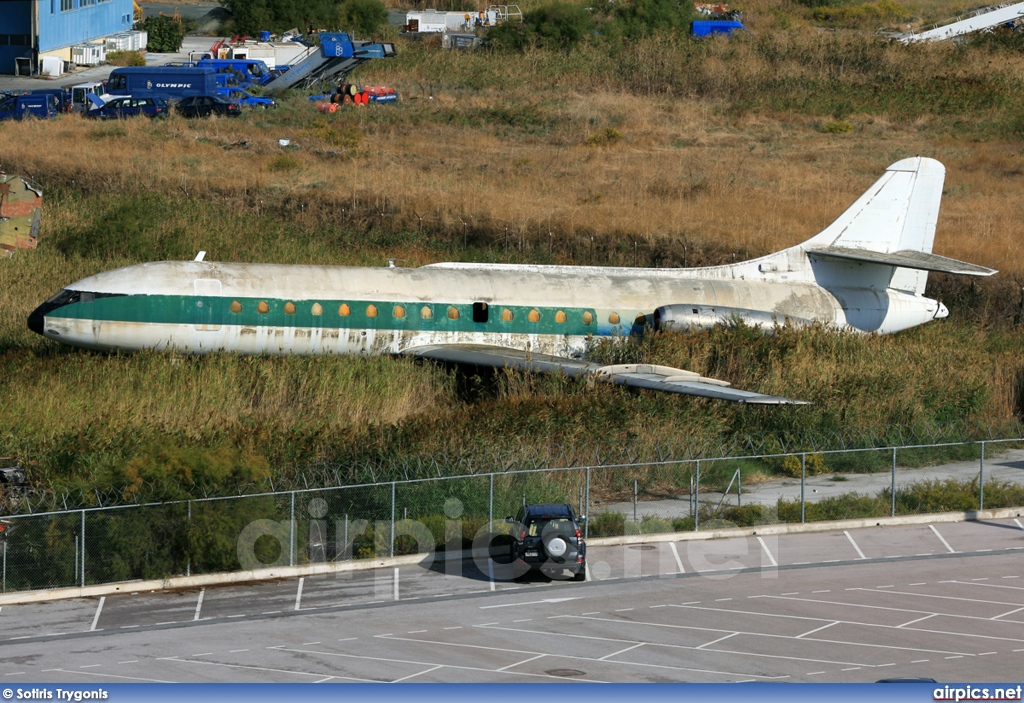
(660, 152)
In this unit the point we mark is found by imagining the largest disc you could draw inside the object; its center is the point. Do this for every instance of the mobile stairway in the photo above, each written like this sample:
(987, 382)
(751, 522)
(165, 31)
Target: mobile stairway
(985, 18)
(335, 58)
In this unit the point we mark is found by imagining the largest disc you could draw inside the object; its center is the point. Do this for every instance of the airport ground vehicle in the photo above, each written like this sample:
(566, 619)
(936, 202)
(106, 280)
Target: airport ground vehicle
(245, 99)
(548, 538)
(19, 107)
(250, 70)
(206, 105)
(129, 106)
(168, 82)
(79, 101)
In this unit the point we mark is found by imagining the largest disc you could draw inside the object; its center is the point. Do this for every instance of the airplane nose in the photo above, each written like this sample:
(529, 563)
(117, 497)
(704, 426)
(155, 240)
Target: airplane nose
(942, 312)
(35, 320)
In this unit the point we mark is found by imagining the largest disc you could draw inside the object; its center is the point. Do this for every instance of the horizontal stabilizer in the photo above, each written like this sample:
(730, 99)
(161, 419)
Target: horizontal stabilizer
(905, 258)
(658, 378)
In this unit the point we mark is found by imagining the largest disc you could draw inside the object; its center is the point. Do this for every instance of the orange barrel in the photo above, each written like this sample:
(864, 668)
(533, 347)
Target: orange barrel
(332, 108)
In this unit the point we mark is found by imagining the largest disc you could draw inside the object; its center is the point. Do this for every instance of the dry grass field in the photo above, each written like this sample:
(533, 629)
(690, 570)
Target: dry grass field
(661, 152)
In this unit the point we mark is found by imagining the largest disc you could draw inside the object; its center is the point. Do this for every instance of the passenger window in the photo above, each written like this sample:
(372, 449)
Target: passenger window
(453, 313)
(640, 320)
(559, 317)
(480, 312)
(236, 306)
(344, 310)
(613, 318)
(534, 315)
(507, 315)
(399, 312)
(588, 318)
(317, 310)
(426, 313)
(262, 308)
(371, 311)
(289, 308)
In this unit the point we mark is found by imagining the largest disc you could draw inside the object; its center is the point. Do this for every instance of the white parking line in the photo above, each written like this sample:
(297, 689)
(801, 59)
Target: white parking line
(525, 661)
(859, 553)
(199, 603)
(767, 551)
(490, 573)
(720, 639)
(1018, 523)
(917, 620)
(942, 539)
(817, 629)
(396, 583)
(621, 651)
(298, 592)
(675, 553)
(96, 617)
(1009, 613)
(418, 673)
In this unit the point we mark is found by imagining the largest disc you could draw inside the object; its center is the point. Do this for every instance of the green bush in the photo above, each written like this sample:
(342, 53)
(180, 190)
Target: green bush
(362, 18)
(607, 525)
(165, 35)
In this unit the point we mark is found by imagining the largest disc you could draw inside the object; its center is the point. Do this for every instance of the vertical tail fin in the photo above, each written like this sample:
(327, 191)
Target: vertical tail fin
(897, 213)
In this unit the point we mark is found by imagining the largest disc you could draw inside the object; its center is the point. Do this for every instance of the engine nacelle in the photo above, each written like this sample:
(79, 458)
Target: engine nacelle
(684, 318)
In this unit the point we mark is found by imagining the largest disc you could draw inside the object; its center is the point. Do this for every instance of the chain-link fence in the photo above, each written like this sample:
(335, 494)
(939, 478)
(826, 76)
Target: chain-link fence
(210, 535)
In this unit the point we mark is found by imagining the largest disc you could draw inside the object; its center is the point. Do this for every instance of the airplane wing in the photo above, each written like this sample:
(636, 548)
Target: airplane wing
(659, 378)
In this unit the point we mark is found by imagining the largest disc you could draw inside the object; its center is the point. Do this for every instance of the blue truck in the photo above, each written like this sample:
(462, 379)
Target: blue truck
(168, 82)
(248, 71)
(20, 107)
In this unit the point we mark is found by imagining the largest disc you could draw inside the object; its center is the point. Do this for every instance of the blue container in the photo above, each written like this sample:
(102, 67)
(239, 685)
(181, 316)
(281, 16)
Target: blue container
(704, 28)
(264, 36)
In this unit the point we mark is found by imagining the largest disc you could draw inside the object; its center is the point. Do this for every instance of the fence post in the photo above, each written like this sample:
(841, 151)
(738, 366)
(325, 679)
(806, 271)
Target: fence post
(392, 550)
(803, 488)
(5, 565)
(586, 523)
(83, 549)
(634, 499)
(981, 480)
(490, 504)
(188, 538)
(893, 487)
(291, 534)
(696, 498)
(739, 489)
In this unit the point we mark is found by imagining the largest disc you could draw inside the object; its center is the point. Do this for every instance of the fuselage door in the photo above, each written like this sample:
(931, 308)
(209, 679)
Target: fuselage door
(206, 299)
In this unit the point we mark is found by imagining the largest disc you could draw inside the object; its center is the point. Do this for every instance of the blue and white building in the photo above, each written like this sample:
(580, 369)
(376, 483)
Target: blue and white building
(31, 30)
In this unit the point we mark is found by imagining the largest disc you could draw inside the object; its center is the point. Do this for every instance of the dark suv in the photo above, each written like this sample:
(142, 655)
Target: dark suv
(548, 538)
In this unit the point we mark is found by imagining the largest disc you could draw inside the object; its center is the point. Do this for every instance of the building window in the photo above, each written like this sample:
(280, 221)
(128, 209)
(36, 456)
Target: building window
(67, 5)
(86, 3)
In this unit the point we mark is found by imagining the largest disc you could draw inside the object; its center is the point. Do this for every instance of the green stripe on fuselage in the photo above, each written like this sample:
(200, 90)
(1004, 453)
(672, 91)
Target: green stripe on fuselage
(206, 310)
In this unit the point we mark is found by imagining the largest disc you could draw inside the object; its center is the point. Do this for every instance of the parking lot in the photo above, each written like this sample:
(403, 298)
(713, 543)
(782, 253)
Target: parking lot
(939, 601)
